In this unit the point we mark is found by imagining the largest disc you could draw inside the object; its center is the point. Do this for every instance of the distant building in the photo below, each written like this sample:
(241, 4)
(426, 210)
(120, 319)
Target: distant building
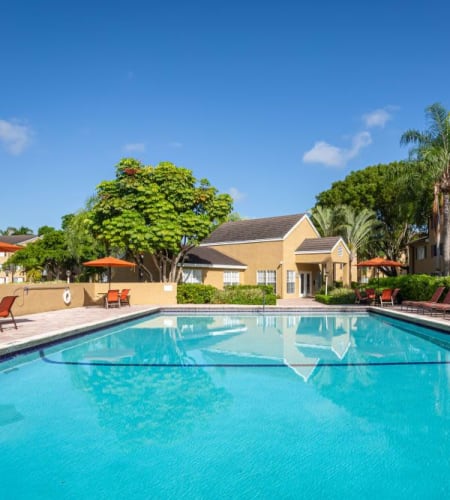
(14, 274)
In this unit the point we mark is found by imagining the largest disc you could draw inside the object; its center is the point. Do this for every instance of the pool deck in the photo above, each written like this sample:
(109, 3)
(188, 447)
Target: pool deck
(41, 328)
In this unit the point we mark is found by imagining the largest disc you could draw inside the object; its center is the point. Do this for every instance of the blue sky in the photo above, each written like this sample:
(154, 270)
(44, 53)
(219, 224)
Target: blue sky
(272, 101)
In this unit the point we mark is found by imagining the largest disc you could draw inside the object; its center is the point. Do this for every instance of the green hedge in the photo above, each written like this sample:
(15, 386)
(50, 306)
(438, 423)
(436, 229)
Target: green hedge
(188, 293)
(246, 294)
(238, 294)
(337, 296)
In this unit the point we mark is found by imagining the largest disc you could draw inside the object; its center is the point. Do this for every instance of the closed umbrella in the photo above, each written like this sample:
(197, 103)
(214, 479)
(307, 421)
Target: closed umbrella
(109, 262)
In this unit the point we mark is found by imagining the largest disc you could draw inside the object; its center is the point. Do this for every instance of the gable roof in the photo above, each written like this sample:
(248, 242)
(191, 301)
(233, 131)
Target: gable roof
(320, 245)
(250, 230)
(209, 257)
(18, 239)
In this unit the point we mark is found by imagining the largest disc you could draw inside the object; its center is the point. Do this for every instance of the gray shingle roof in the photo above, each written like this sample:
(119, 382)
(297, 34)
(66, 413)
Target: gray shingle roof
(17, 239)
(269, 228)
(204, 256)
(318, 244)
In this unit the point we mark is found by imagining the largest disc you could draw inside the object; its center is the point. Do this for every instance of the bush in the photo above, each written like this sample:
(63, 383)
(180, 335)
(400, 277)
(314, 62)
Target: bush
(337, 296)
(190, 293)
(246, 295)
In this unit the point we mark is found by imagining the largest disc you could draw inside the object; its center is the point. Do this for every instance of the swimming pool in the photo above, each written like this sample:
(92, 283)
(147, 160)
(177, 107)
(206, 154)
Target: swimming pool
(231, 406)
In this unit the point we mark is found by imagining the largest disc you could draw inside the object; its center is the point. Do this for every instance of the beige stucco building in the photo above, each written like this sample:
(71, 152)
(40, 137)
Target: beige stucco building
(286, 252)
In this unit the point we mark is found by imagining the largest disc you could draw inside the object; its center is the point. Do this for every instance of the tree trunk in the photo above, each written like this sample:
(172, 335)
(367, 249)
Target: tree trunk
(446, 234)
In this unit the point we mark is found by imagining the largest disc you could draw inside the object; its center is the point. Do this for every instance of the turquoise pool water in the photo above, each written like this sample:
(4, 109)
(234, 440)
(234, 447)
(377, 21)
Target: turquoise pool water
(305, 406)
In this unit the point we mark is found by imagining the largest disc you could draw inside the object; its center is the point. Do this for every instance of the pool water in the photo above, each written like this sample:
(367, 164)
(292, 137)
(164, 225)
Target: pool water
(228, 406)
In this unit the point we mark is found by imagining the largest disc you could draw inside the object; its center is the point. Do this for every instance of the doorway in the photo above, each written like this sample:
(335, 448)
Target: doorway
(305, 284)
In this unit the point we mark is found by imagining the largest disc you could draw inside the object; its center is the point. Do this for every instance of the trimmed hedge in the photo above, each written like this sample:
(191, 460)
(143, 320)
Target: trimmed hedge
(246, 295)
(189, 293)
(337, 296)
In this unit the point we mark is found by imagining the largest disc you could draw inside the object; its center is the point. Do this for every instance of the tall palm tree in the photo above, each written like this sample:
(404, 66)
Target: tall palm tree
(328, 221)
(432, 147)
(357, 229)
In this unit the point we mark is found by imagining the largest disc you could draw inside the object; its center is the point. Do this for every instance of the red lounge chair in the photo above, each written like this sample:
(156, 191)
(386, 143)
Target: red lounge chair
(443, 306)
(125, 296)
(361, 299)
(5, 309)
(112, 299)
(418, 304)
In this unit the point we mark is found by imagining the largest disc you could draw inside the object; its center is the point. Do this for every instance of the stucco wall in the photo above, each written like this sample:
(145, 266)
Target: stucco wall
(41, 297)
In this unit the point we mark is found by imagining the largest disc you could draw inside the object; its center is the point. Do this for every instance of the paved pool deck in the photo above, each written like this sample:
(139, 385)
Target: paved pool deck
(41, 328)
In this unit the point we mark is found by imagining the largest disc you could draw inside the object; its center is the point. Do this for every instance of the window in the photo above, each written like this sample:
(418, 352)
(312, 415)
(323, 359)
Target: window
(230, 278)
(290, 282)
(434, 250)
(340, 251)
(192, 276)
(421, 253)
(267, 278)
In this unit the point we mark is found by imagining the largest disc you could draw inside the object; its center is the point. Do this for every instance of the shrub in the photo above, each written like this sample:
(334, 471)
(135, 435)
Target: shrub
(337, 296)
(190, 293)
(246, 294)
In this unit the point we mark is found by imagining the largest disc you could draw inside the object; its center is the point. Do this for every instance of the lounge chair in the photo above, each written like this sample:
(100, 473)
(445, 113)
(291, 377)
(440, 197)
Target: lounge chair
(112, 299)
(125, 296)
(5, 309)
(361, 299)
(418, 304)
(443, 306)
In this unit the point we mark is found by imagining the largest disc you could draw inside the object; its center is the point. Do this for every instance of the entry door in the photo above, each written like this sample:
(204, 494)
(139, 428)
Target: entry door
(305, 284)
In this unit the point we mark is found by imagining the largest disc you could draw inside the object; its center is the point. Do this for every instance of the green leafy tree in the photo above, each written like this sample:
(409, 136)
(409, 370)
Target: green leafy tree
(49, 253)
(400, 207)
(432, 149)
(162, 210)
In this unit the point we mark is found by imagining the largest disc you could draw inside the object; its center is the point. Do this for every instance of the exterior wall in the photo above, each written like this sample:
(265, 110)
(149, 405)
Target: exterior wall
(261, 256)
(421, 259)
(42, 297)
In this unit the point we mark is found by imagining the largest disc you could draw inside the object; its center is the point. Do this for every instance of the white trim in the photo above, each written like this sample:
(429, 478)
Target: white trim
(220, 243)
(211, 266)
(303, 252)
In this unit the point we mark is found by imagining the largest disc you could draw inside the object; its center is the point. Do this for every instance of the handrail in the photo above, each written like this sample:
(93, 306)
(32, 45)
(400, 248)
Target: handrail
(28, 288)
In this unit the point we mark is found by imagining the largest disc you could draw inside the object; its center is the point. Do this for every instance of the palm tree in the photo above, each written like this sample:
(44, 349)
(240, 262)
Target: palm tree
(357, 229)
(328, 221)
(432, 147)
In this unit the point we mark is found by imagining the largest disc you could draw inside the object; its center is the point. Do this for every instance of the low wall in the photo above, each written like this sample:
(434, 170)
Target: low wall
(42, 297)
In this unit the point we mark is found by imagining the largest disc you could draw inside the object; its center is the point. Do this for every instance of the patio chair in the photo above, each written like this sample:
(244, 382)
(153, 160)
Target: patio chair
(125, 296)
(370, 292)
(5, 309)
(388, 296)
(443, 306)
(359, 298)
(418, 304)
(112, 299)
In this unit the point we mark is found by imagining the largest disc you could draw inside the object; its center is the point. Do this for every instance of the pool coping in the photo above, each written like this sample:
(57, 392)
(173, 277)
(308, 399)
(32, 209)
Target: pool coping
(32, 342)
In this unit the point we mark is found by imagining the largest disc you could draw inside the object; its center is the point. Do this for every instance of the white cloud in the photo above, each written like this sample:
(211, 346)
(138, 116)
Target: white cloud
(236, 194)
(377, 118)
(333, 156)
(14, 137)
(175, 144)
(137, 147)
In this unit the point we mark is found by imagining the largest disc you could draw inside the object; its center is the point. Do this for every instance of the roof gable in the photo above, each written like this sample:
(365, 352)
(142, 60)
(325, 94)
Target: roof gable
(321, 245)
(250, 230)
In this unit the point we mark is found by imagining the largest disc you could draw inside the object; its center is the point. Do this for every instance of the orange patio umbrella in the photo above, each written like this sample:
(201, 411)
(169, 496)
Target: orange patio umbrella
(8, 247)
(109, 262)
(379, 262)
